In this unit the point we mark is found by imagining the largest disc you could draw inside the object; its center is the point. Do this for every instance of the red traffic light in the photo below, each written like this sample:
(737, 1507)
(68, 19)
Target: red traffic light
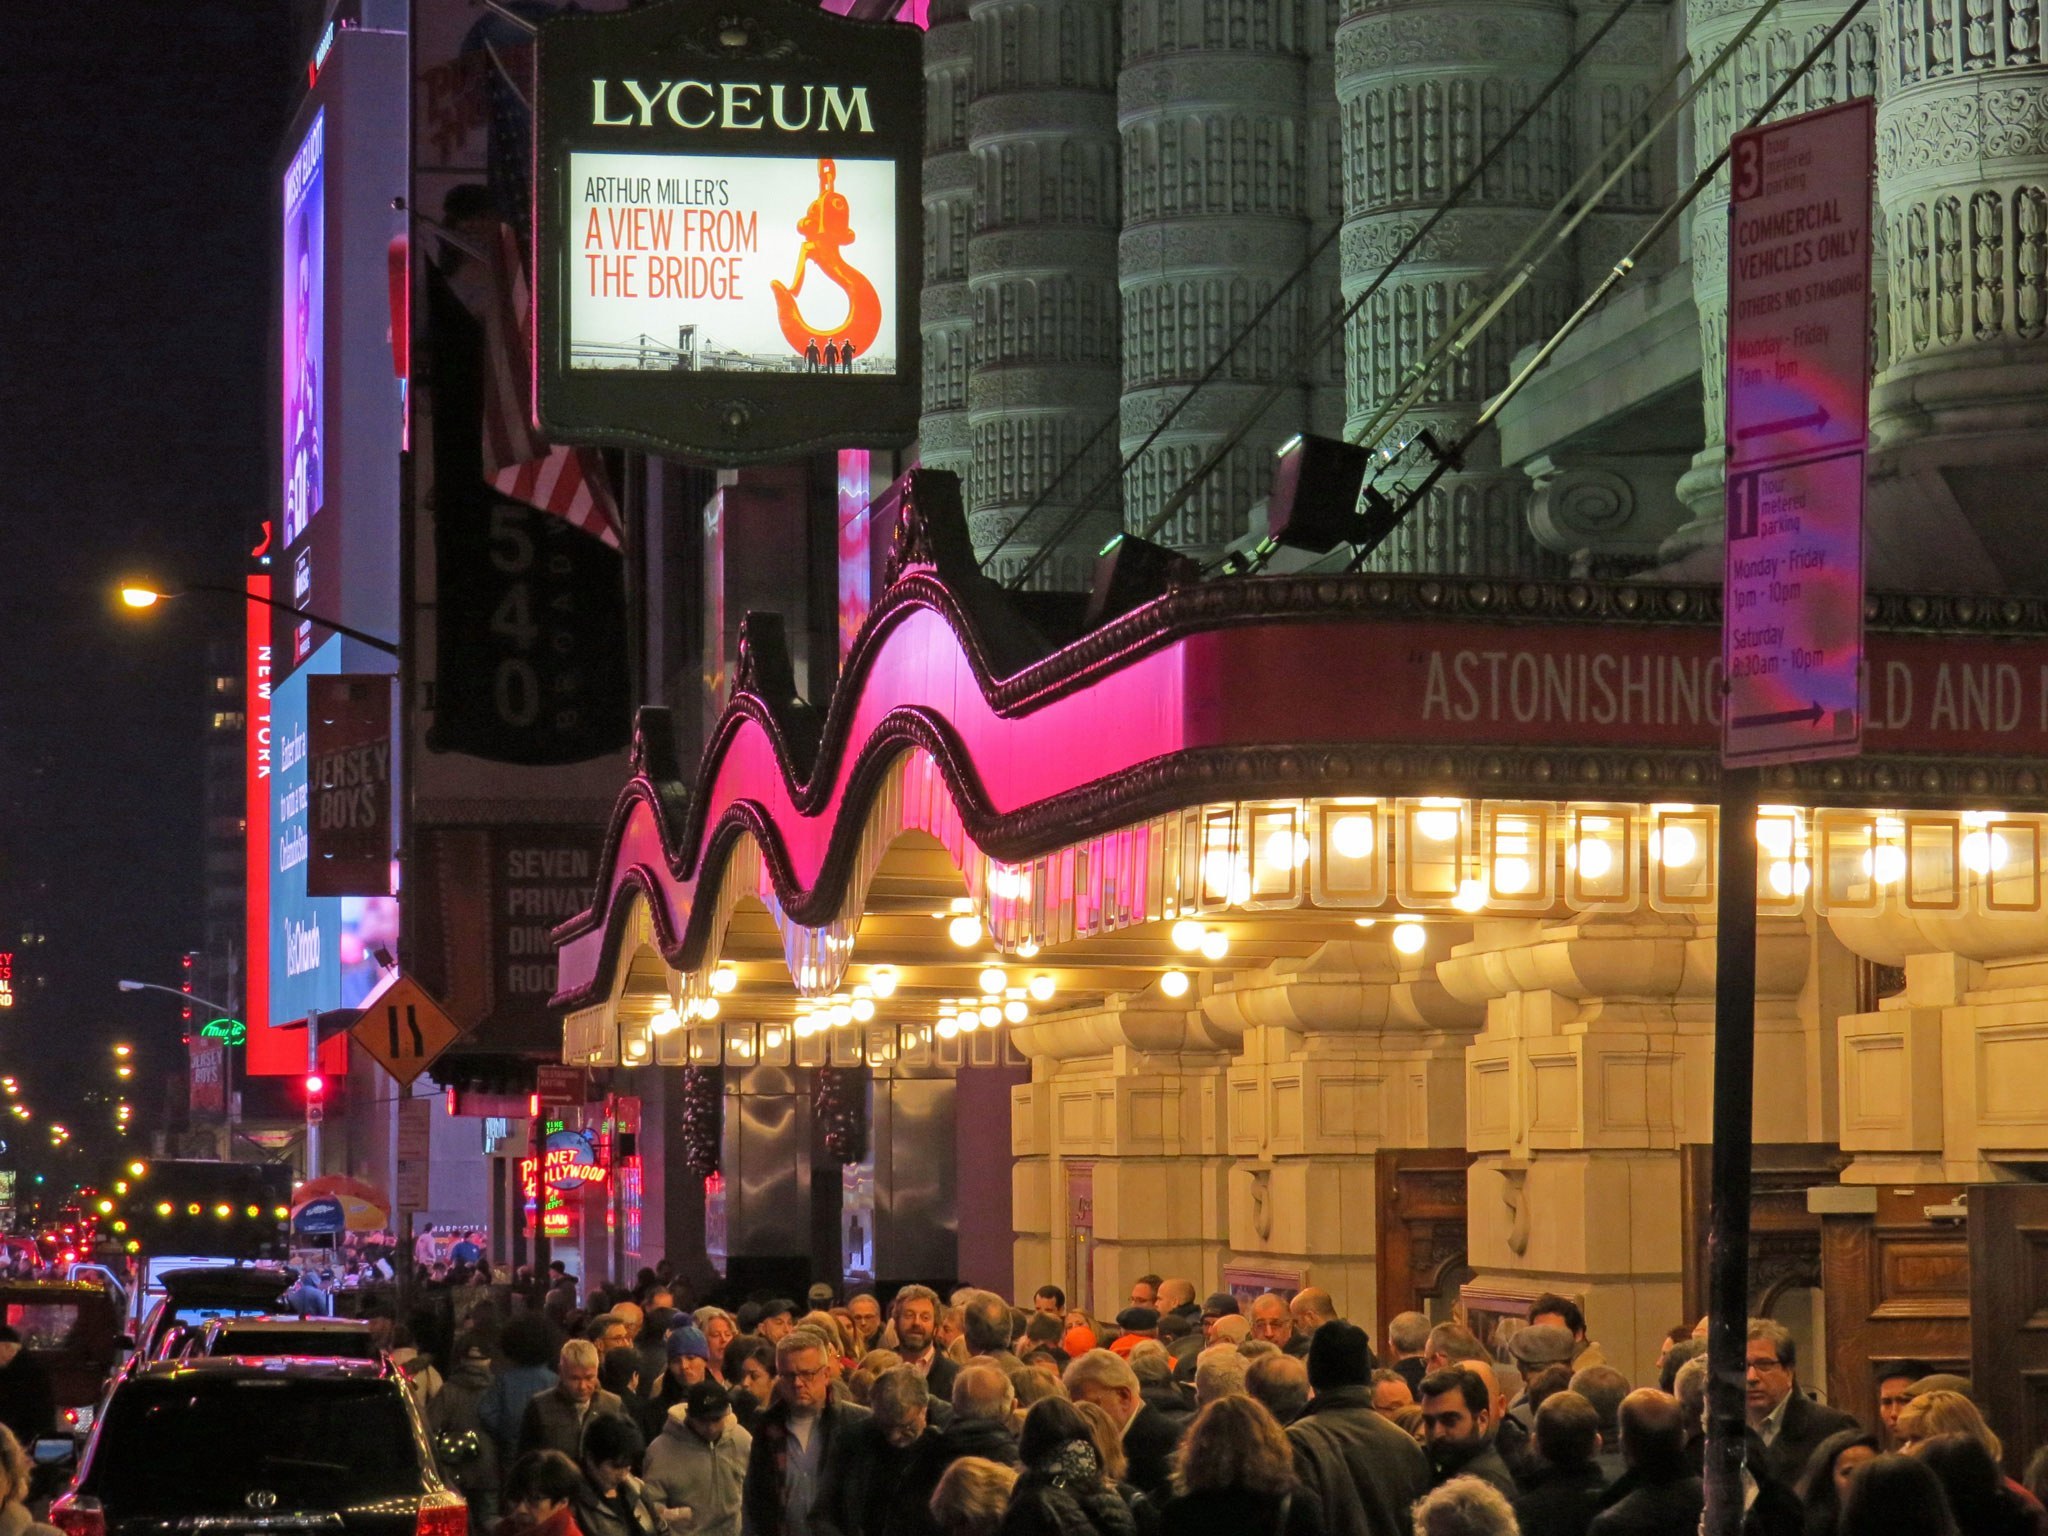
(315, 1084)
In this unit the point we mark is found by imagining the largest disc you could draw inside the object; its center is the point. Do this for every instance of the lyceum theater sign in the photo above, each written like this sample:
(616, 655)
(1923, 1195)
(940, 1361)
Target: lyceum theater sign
(729, 230)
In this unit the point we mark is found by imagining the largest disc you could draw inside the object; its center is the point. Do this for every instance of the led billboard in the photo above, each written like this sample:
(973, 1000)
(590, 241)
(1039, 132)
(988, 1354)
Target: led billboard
(304, 327)
(729, 230)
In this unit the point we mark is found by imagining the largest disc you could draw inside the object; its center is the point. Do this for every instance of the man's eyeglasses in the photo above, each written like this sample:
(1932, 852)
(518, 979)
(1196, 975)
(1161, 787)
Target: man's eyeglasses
(788, 1374)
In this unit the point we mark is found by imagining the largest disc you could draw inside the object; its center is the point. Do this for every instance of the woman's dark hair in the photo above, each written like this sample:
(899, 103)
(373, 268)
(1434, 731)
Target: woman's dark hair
(528, 1340)
(1896, 1496)
(616, 1371)
(748, 1346)
(1049, 1425)
(1235, 1443)
(1977, 1495)
(614, 1439)
(1550, 1380)
(1816, 1484)
(545, 1475)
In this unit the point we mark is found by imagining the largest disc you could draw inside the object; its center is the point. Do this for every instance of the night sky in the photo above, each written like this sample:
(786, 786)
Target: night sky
(136, 143)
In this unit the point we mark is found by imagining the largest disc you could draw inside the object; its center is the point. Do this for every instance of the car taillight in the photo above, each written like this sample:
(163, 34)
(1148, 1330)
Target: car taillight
(81, 1515)
(441, 1514)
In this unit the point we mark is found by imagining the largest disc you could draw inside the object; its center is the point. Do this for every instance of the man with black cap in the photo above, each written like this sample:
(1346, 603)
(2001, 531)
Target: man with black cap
(1362, 1470)
(1133, 1324)
(1220, 1304)
(778, 1317)
(697, 1466)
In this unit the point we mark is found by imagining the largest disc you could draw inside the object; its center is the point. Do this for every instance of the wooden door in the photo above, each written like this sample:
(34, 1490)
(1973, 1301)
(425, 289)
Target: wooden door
(1896, 1284)
(2009, 1313)
(1421, 1207)
(1784, 1237)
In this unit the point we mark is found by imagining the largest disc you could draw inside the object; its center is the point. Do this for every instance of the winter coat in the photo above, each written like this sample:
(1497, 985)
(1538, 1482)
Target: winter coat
(696, 1484)
(911, 1514)
(863, 1482)
(553, 1423)
(1240, 1512)
(1064, 1495)
(464, 1449)
(504, 1405)
(1364, 1471)
(768, 1463)
(622, 1512)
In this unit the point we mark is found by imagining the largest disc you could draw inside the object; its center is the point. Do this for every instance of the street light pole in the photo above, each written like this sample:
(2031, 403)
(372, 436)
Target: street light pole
(136, 596)
(227, 1047)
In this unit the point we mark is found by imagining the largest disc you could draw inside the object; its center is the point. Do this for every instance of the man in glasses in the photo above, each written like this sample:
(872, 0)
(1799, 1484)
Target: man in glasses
(1789, 1423)
(793, 1438)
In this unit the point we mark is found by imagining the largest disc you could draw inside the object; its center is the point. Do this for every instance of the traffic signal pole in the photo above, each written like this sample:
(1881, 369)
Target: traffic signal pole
(314, 1098)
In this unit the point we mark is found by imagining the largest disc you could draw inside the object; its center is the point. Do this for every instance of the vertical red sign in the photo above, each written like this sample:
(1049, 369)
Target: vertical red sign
(1797, 421)
(256, 809)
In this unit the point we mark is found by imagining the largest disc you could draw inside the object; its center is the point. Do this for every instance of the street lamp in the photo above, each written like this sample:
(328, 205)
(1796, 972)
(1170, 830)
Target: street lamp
(140, 594)
(227, 1054)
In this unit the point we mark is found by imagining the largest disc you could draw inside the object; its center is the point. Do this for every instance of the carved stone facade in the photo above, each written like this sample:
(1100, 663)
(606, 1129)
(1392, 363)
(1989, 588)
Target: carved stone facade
(946, 313)
(1762, 63)
(1212, 108)
(1042, 374)
(1424, 87)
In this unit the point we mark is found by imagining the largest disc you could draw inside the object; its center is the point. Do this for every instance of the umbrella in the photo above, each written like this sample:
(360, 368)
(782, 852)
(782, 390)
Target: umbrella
(338, 1203)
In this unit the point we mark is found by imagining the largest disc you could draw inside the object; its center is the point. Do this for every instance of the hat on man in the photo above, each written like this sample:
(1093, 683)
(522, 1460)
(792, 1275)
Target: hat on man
(1542, 1344)
(708, 1400)
(820, 1297)
(1220, 1304)
(1339, 1355)
(687, 1343)
(781, 1306)
(1137, 1319)
(1942, 1381)
(1078, 1342)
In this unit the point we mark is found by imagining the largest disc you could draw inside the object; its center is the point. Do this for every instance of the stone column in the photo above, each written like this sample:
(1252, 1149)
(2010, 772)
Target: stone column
(1215, 190)
(1942, 1083)
(1041, 272)
(1129, 1094)
(1771, 54)
(1612, 87)
(1595, 1065)
(1961, 401)
(1344, 1053)
(946, 316)
(1323, 369)
(1424, 86)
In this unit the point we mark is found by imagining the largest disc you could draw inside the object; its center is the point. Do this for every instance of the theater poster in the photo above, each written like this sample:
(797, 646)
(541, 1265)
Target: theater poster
(727, 259)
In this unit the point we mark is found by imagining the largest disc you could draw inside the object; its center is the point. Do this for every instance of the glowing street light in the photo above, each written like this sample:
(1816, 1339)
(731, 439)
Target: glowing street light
(139, 594)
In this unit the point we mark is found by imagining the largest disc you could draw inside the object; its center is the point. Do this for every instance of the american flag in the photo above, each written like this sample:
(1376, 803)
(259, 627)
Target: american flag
(518, 462)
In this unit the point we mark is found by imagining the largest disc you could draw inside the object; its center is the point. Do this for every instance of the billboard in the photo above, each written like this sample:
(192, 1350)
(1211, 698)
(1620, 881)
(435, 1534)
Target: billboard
(728, 230)
(733, 264)
(304, 327)
(256, 794)
(322, 948)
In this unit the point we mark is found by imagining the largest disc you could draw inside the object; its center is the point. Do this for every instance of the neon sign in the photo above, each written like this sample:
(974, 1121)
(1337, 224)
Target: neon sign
(232, 1031)
(6, 978)
(569, 1161)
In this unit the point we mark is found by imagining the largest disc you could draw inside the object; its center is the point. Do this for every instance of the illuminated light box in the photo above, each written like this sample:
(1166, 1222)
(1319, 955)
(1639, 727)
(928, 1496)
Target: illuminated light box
(728, 251)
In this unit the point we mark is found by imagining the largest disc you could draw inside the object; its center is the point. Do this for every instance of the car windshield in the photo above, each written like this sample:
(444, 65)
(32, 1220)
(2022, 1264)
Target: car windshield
(342, 1343)
(317, 1443)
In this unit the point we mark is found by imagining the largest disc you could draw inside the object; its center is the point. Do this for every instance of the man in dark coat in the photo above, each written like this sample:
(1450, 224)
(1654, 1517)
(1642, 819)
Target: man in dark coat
(1363, 1471)
(1562, 1486)
(865, 1479)
(1664, 1495)
(1458, 1428)
(1151, 1438)
(984, 1405)
(916, 1315)
(793, 1440)
(1790, 1424)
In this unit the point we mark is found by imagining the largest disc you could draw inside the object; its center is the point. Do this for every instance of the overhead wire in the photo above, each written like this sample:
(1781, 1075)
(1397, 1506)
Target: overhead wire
(1616, 274)
(1307, 351)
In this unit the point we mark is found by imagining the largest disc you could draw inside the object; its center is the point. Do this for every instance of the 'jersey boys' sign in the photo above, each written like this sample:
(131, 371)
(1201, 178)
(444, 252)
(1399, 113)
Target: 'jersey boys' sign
(728, 230)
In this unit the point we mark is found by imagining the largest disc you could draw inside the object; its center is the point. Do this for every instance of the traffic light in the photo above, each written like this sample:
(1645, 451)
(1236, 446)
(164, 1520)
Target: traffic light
(185, 985)
(315, 1085)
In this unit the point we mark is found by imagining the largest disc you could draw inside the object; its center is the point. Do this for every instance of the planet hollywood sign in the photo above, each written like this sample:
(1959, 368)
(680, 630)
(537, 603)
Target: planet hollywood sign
(567, 1161)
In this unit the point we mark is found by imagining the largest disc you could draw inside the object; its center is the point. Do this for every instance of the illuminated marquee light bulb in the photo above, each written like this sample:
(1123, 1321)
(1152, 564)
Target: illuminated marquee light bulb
(1512, 876)
(964, 930)
(1028, 950)
(1215, 944)
(1984, 852)
(1885, 864)
(1674, 846)
(991, 1014)
(1595, 858)
(1286, 848)
(708, 1008)
(724, 979)
(1774, 836)
(1352, 837)
(1187, 936)
(947, 1027)
(862, 1009)
(1410, 938)
(1040, 987)
(1439, 822)
(1789, 879)
(882, 981)
(1174, 983)
(993, 980)
(1016, 1012)
(1471, 895)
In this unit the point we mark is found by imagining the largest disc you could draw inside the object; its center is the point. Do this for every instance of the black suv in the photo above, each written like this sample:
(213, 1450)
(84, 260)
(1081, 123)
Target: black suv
(260, 1446)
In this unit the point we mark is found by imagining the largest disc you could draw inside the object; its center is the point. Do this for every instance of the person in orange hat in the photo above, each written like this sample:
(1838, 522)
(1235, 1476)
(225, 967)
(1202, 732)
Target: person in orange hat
(1077, 1342)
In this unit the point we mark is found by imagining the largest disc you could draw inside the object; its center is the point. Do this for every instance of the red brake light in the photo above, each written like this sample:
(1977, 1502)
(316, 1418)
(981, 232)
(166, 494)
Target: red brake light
(77, 1515)
(441, 1514)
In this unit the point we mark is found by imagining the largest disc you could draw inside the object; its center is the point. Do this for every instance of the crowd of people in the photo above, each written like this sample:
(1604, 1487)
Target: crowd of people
(632, 1415)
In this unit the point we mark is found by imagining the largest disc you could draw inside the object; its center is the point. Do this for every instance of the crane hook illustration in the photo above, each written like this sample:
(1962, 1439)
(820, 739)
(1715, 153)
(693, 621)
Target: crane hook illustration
(827, 227)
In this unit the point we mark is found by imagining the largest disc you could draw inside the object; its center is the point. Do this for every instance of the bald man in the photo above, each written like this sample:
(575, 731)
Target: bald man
(1311, 1309)
(1667, 1496)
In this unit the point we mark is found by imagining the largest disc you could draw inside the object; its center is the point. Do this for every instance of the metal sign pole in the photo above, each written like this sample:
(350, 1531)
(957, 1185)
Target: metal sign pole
(1734, 1089)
